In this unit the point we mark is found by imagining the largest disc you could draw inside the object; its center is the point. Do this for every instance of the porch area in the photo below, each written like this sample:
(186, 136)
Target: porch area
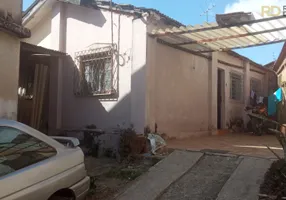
(231, 143)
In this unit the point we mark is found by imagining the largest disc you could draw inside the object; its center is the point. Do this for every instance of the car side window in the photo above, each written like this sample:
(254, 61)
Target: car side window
(19, 150)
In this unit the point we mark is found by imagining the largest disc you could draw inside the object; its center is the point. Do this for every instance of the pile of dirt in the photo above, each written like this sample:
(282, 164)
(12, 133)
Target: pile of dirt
(274, 184)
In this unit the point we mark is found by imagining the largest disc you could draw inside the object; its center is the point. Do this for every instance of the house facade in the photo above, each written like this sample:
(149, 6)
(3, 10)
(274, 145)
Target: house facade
(11, 31)
(199, 94)
(279, 68)
(116, 74)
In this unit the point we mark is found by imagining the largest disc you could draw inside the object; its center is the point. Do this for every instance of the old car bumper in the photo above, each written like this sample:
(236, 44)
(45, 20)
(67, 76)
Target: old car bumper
(81, 188)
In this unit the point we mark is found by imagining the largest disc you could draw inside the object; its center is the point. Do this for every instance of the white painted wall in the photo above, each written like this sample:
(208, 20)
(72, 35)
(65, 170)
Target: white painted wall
(9, 66)
(71, 29)
(41, 33)
(94, 26)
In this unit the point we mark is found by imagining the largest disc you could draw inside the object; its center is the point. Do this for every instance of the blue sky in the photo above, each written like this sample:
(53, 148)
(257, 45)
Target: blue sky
(189, 12)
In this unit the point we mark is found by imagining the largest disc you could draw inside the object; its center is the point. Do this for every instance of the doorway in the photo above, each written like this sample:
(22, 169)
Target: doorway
(33, 91)
(220, 98)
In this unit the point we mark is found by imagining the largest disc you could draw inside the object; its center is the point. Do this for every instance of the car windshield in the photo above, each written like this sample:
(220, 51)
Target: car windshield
(19, 150)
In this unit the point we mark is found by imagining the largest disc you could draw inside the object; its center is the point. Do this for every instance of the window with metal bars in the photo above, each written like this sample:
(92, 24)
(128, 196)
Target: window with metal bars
(236, 86)
(96, 72)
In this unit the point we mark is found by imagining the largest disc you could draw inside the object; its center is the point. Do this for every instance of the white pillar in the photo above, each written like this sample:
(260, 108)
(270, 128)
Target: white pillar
(138, 78)
(213, 67)
(58, 29)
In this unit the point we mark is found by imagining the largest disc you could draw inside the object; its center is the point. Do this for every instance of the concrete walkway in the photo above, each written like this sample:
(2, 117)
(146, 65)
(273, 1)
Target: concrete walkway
(234, 143)
(194, 175)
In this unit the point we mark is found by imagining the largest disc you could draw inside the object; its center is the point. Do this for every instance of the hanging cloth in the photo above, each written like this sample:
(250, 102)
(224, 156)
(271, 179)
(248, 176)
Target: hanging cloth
(278, 95)
(273, 100)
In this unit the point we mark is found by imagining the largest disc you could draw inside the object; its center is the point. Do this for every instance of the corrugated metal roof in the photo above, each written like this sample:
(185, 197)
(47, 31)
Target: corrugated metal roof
(210, 37)
(38, 49)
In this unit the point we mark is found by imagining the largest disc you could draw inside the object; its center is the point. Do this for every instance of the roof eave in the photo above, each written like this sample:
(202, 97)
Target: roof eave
(14, 28)
(32, 10)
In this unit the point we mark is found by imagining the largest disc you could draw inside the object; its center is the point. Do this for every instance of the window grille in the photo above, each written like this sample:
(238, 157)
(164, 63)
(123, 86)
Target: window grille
(96, 73)
(236, 88)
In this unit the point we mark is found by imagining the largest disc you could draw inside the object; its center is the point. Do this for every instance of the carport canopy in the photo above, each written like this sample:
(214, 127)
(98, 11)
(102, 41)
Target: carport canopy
(231, 31)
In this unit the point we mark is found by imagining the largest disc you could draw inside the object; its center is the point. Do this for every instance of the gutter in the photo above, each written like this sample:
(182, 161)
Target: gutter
(32, 10)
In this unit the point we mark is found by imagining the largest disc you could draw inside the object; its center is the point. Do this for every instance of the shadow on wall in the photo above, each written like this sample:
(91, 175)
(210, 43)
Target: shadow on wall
(104, 113)
(41, 32)
(86, 15)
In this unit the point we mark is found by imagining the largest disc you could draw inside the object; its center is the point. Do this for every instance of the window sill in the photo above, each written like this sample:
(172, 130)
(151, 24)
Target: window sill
(104, 96)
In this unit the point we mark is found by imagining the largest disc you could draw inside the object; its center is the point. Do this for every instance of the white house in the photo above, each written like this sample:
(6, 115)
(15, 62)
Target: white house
(117, 74)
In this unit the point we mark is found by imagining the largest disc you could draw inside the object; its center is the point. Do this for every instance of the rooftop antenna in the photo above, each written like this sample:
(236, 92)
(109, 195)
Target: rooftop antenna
(274, 56)
(208, 10)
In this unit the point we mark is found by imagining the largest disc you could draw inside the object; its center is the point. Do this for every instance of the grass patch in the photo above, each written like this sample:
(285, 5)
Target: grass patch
(124, 173)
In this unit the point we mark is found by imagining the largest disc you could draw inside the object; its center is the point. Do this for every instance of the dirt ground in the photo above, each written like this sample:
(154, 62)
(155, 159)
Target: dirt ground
(109, 178)
(232, 143)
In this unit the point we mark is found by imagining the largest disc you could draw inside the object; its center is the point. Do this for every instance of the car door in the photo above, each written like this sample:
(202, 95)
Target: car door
(33, 166)
(20, 154)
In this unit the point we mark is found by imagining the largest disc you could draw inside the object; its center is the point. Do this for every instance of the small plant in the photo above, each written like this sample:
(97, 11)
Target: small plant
(126, 137)
(234, 123)
(92, 187)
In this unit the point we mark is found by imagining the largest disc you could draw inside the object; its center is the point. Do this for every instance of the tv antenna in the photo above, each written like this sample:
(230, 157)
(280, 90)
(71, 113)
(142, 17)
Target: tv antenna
(274, 56)
(208, 11)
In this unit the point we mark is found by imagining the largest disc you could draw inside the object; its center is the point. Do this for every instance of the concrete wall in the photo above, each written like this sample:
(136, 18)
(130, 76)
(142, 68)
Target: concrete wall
(9, 66)
(13, 7)
(177, 87)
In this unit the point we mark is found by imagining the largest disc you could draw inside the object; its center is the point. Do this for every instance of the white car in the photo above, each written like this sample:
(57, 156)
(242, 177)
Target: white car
(34, 166)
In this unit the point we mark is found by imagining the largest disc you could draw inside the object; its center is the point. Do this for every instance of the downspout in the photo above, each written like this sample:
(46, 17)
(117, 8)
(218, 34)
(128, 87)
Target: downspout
(111, 15)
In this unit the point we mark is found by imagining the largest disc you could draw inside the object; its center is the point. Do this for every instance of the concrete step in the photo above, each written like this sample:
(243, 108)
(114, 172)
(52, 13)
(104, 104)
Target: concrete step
(161, 176)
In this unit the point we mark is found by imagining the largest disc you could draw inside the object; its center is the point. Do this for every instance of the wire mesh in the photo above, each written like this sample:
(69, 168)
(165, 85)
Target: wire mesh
(97, 71)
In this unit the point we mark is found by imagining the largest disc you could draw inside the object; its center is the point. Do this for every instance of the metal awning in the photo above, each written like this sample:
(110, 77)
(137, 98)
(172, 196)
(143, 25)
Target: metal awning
(211, 37)
(41, 50)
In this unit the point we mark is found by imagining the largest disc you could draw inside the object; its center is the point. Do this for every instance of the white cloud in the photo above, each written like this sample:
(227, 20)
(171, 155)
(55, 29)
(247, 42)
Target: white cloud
(252, 5)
